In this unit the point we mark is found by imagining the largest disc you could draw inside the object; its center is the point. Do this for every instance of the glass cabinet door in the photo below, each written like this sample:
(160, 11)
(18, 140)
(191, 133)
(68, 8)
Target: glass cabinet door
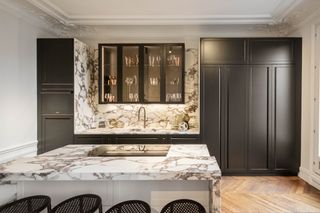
(141, 73)
(174, 66)
(130, 74)
(109, 69)
(152, 73)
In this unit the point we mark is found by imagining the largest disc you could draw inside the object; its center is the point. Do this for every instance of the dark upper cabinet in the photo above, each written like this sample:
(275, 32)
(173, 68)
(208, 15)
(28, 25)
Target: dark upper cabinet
(271, 51)
(141, 73)
(211, 109)
(223, 51)
(55, 60)
(56, 131)
(235, 96)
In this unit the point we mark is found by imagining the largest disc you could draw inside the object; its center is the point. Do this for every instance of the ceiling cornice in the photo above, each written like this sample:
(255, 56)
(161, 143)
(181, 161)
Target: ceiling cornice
(68, 19)
(36, 17)
(52, 10)
(170, 20)
(63, 25)
(284, 9)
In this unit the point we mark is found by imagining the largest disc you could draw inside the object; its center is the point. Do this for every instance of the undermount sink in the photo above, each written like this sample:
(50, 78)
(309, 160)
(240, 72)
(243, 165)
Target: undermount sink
(129, 150)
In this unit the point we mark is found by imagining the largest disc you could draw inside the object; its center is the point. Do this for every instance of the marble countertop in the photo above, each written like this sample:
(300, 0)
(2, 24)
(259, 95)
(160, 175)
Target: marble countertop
(182, 162)
(137, 131)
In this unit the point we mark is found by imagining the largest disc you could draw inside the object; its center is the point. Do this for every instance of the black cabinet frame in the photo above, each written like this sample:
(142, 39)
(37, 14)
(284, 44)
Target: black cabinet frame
(141, 72)
(138, 139)
(60, 53)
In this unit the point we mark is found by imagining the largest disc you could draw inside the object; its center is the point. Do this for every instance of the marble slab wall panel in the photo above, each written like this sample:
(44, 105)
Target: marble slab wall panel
(84, 102)
(88, 113)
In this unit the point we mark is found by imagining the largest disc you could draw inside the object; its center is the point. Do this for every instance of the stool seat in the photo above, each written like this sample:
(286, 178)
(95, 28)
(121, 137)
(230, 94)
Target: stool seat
(86, 203)
(183, 206)
(33, 204)
(130, 206)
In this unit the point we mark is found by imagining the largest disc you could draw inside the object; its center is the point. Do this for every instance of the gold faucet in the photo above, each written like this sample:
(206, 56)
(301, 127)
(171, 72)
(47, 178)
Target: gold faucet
(144, 116)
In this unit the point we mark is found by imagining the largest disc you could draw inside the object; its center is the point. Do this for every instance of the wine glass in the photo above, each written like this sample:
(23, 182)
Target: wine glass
(129, 82)
(130, 97)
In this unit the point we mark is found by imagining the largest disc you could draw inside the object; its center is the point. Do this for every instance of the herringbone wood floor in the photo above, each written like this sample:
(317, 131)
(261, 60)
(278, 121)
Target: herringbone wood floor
(268, 195)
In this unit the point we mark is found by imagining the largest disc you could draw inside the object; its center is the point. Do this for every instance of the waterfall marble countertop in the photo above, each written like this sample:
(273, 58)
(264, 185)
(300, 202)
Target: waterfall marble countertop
(182, 162)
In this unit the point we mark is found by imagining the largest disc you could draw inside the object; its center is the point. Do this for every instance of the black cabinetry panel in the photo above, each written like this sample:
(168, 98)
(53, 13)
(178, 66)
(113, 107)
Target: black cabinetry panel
(223, 51)
(57, 102)
(56, 132)
(185, 139)
(139, 139)
(258, 103)
(271, 51)
(258, 147)
(90, 139)
(284, 117)
(210, 111)
(55, 61)
(55, 93)
(235, 140)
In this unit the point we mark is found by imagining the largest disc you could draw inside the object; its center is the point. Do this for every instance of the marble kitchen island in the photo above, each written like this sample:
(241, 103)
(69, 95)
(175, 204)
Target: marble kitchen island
(185, 171)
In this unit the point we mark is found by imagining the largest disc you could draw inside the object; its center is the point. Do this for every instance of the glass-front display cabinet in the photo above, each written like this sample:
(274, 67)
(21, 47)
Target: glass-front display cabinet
(108, 74)
(141, 73)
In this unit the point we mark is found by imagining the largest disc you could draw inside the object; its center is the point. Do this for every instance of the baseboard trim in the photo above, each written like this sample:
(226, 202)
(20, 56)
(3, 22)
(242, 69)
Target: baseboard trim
(14, 152)
(310, 177)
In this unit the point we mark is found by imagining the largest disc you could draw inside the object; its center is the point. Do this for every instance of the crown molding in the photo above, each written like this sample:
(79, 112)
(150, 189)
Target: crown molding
(43, 13)
(71, 20)
(284, 9)
(27, 12)
(52, 10)
(170, 20)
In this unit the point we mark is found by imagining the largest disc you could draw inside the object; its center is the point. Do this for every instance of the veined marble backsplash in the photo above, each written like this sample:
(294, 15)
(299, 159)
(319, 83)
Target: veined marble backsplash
(93, 118)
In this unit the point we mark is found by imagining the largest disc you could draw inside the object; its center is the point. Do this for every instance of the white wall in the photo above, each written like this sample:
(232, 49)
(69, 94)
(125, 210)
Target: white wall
(18, 83)
(307, 32)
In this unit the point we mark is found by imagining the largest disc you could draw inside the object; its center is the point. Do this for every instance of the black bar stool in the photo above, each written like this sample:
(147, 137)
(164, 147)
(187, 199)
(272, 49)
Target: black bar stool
(86, 203)
(130, 206)
(183, 206)
(33, 204)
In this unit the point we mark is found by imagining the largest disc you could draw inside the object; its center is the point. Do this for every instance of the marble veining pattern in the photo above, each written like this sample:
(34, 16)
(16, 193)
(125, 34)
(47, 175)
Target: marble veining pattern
(160, 117)
(70, 163)
(183, 162)
(84, 106)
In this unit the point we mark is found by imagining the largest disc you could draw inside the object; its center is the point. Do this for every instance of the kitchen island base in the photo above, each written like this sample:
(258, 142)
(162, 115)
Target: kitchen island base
(156, 193)
(155, 173)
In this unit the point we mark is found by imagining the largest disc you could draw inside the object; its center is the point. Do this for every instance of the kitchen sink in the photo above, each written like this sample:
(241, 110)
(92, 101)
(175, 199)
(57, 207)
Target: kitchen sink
(137, 150)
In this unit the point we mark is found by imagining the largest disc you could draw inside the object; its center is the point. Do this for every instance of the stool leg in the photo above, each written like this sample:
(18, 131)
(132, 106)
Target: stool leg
(49, 208)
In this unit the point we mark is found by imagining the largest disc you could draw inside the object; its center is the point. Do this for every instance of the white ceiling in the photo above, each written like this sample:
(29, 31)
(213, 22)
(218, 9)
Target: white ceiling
(163, 19)
(136, 12)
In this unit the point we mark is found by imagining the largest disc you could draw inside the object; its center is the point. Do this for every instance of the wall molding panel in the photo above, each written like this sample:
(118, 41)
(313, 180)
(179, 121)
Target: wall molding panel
(14, 152)
(310, 177)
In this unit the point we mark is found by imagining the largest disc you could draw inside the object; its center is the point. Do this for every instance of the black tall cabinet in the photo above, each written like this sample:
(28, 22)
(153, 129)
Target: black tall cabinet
(55, 65)
(250, 104)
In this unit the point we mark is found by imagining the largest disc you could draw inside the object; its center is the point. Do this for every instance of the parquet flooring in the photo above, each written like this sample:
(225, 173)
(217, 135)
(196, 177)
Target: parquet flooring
(268, 195)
